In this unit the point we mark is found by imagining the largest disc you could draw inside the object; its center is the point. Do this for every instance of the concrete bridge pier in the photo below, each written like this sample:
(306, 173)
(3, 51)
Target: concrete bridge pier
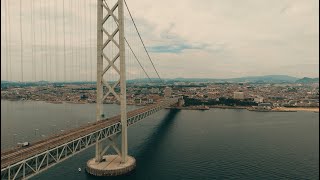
(110, 165)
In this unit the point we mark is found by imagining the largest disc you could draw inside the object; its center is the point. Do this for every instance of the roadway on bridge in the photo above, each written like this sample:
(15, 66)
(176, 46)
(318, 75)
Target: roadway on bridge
(15, 155)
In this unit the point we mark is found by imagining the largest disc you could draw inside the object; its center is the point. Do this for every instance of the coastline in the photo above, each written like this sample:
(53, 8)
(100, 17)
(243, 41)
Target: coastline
(228, 107)
(280, 109)
(308, 109)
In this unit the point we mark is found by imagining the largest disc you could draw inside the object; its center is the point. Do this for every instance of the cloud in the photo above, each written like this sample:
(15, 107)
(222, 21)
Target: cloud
(188, 38)
(231, 38)
(175, 48)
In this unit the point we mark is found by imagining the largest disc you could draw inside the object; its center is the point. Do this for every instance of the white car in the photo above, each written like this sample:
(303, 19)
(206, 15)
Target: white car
(24, 144)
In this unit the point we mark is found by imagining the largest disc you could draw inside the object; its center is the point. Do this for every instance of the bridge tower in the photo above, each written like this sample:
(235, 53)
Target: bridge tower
(121, 163)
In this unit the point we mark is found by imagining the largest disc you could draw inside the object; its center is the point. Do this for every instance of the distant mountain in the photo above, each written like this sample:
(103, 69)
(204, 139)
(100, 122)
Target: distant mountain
(248, 79)
(267, 79)
(308, 80)
(192, 79)
(252, 79)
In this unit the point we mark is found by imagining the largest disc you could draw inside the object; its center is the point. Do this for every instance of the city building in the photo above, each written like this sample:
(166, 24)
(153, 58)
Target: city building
(258, 99)
(154, 90)
(238, 95)
(167, 92)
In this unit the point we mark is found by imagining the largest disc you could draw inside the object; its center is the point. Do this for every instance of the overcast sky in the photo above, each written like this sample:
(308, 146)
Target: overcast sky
(210, 38)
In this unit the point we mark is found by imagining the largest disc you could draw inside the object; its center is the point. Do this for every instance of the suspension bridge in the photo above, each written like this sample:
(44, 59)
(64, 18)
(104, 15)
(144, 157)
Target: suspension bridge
(77, 41)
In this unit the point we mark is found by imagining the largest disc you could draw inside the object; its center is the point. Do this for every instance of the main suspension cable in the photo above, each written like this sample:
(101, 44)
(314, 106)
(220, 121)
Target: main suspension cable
(142, 40)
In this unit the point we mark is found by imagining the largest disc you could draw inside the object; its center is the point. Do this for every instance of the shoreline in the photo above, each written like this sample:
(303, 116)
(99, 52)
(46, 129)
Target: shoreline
(228, 107)
(280, 109)
(307, 109)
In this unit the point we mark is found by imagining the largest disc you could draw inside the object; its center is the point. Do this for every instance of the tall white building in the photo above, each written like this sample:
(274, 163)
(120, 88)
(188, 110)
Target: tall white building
(258, 99)
(167, 92)
(238, 95)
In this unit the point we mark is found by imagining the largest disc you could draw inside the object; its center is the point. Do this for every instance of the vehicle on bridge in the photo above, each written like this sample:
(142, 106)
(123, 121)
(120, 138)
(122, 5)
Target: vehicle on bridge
(24, 144)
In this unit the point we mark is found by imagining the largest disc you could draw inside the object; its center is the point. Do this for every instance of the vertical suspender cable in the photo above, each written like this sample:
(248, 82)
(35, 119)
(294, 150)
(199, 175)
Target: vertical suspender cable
(6, 35)
(79, 47)
(35, 44)
(64, 43)
(49, 46)
(3, 59)
(55, 39)
(76, 38)
(33, 41)
(9, 42)
(75, 42)
(82, 60)
(68, 65)
(85, 38)
(41, 51)
(71, 40)
(69, 47)
(21, 41)
(46, 41)
(80, 42)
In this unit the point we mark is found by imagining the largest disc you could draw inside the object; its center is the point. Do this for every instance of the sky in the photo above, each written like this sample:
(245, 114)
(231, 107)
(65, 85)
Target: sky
(207, 38)
(231, 38)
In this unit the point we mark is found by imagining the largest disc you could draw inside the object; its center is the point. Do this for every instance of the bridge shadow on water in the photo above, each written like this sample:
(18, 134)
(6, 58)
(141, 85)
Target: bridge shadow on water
(150, 147)
(158, 136)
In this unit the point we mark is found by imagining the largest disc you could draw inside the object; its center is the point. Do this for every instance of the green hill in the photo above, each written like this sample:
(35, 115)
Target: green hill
(308, 80)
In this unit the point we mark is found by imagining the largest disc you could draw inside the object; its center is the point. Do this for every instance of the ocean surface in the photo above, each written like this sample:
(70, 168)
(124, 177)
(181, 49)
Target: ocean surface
(213, 144)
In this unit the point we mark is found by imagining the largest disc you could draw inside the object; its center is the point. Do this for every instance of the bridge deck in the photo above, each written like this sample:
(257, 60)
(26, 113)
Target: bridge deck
(19, 154)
